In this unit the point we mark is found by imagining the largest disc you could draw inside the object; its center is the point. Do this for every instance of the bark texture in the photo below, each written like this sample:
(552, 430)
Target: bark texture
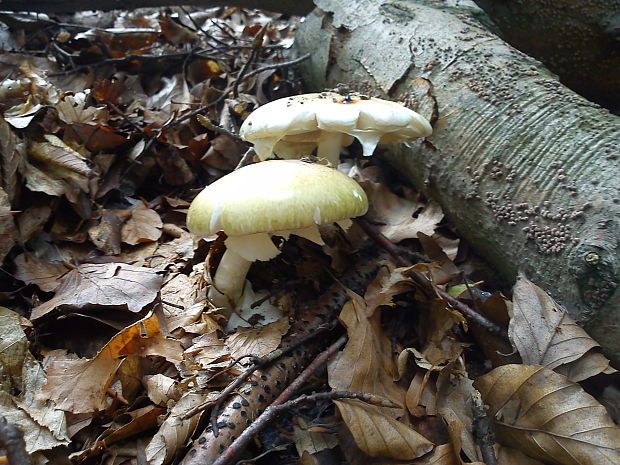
(295, 7)
(526, 170)
(577, 39)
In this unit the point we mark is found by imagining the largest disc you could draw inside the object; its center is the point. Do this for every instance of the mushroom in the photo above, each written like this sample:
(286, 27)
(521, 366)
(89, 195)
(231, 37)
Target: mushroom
(293, 126)
(276, 197)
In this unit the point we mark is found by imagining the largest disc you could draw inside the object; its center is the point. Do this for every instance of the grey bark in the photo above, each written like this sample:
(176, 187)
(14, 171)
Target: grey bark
(296, 7)
(526, 170)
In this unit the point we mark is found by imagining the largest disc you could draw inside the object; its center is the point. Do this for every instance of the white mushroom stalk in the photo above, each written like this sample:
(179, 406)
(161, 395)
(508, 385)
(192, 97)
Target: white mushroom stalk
(277, 197)
(291, 127)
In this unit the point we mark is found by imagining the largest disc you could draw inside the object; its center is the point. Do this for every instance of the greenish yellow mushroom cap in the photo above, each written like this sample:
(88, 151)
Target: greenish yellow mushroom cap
(275, 196)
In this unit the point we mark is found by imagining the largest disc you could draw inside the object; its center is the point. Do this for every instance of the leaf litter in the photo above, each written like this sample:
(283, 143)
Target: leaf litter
(110, 350)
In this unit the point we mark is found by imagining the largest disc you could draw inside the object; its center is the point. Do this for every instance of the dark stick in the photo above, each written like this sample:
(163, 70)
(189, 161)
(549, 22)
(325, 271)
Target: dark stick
(419, 278)
(258, 362)
(282, 403)
(12, 441)
(483, 431)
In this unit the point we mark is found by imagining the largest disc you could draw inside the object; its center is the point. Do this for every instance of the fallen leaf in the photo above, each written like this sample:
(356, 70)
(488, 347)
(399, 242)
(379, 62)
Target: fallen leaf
(143, 226)
(175, 430)
(32, 270)
(90, 378)
(548, 417)
(104, 285)
(258, 341)
(366, 363)
(398, 218)
(43, 425)
(8, 232)
(378, 434)
(309, 441)
(55, 153)
(544, 334)
(106, 235)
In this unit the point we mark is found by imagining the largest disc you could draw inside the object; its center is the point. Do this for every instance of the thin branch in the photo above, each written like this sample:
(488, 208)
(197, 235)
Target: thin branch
(483, 430)
(422, 280)
(283, 403)
(258, 362)
(282, 64)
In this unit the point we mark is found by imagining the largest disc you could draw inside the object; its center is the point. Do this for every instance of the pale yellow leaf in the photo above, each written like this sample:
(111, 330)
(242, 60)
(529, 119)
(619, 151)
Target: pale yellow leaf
(257, 341)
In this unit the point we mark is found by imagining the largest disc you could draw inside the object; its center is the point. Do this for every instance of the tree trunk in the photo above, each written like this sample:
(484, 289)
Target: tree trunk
(295, 7)
(581, 40)
(526, 170)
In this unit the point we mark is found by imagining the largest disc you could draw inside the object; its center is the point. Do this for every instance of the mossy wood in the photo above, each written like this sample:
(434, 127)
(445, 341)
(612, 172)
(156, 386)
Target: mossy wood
(526, 170)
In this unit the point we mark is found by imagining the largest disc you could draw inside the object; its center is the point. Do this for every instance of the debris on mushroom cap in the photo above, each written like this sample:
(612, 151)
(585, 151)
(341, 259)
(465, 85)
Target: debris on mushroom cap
(302, 118)
(275, 196)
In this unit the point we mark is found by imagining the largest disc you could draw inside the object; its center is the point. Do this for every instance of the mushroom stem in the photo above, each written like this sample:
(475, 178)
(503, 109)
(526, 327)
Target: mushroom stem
(228, 281)
(329, 147)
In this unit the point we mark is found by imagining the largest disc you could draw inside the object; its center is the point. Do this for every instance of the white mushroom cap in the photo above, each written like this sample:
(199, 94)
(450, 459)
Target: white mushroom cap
(306, 118)
(277, 197)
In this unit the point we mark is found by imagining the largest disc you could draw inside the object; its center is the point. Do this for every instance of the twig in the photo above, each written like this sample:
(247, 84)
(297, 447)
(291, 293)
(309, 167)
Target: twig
(282, 403)
(228, 456)
(12, 441)
(282, 64)
(258, 362)
(419, 278)
(483, 430)
(256, 47)
(207, 123)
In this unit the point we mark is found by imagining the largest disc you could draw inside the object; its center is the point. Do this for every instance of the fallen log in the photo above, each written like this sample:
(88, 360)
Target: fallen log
(526, 170)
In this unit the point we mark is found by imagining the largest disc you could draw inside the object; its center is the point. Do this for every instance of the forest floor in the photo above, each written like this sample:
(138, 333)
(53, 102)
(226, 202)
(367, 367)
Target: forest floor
(110, 351)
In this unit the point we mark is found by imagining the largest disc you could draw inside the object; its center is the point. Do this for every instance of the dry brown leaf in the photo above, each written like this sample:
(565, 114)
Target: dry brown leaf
(143, 226)
(106, 235)
(208, 349)
(309, 441)
(394, 215)
(366, 363)
(548, 417)
(90, 378)
(32, 270)
(73, 108)
(161, 389)
(161, 255)
(258, 341)
(454, 391)
(104, 285)
(378, 434)
(43, 425)
(442, 455)
(11, 158)
(8, 232)
(59, 156)
(32, 220)
(510, 456)
(175, 430)
(544, 334)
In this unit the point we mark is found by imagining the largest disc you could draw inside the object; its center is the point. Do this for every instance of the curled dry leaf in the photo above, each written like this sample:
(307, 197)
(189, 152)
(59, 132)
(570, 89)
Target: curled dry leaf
(257, 341)
(309, 441)
(90, 378)
(378, 434)
(175, 430)
(44, 426)
(366, 363)
(32, 270)
(544, 334)
(104, 285)
(547, 416)
(8, 232)
(144, 225)
(395, 215)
